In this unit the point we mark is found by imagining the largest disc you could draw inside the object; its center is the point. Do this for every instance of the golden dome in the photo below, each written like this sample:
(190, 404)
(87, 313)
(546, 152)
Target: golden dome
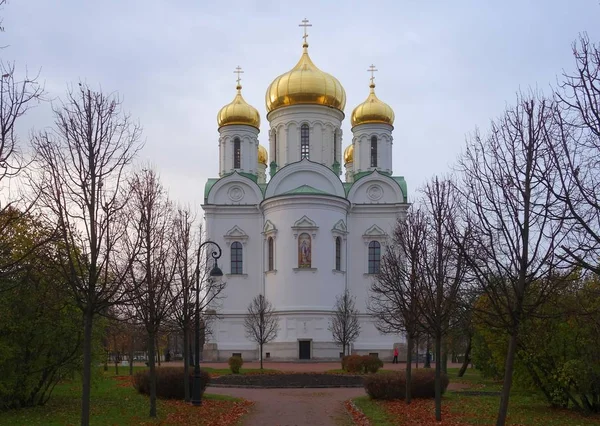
(372, 110)
(305, 84)
(349, 154)
(262, 155)
(238, 112)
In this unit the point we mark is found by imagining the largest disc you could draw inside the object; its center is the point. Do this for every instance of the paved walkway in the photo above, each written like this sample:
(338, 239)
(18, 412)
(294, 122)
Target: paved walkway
(295, 407)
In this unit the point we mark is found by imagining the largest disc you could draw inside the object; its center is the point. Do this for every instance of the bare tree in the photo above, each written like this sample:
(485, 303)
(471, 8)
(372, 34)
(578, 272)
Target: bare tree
(82, 162)
(576, 152)
(344, 324)
(516, 224)
(443, 270)
(152, 275)
(394, 293)
(261, 323)
(16, 98)
(188, 239)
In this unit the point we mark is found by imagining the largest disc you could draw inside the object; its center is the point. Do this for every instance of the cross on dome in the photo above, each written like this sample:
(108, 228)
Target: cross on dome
(372, 70)
(305, 24)
(238, 71)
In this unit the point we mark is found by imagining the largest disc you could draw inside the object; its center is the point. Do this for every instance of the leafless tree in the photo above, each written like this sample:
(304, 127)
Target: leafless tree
(16, 98)
(261, 323)
(516, 225)
(153, 293)
(344, 324)
(394, 293)
(443, 270)
(576, 154)
(82, 162)
(188, 239)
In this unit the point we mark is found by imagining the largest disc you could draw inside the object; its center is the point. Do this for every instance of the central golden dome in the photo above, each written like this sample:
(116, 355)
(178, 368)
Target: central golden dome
(305, 84)
(372, 110)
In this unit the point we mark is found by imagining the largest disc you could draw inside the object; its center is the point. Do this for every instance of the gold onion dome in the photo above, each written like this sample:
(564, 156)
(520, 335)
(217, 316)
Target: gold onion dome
(349, 154)
(262, 155)
(372, 110)
(238, 112)
(305, 84)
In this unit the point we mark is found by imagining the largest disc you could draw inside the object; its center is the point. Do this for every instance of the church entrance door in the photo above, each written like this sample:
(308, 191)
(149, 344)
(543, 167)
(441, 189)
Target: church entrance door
(304, 349)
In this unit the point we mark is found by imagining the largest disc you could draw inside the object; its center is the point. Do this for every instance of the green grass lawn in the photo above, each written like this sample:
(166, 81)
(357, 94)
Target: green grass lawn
(114, 402)
(525, 407)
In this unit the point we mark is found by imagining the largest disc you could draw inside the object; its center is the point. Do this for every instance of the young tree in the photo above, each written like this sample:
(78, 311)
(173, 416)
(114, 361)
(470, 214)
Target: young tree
(394, 292)
(516, 223)
(261, 323)
(187, 243)
(152, 275)
(443, 270)
(82, 162)
(344, 324)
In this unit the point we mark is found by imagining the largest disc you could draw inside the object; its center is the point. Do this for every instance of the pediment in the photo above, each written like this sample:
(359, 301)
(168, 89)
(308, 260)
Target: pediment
(374, 231)
(235, 233)
(340, 226)
(269, 227)
(305, 222)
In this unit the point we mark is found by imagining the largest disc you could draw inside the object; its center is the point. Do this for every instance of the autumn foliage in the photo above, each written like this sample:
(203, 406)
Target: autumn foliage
(361, 364)
(393, 385)
(235, 363)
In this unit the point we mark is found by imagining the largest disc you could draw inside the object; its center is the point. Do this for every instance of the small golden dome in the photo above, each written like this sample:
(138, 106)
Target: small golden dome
(372, 110)
(349, 154)
(262, 155)
(238, 112)
(305, 84)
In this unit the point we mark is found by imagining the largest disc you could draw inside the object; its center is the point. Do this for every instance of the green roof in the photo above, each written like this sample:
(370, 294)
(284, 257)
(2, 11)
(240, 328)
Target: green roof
(207, 187)
(304, 190)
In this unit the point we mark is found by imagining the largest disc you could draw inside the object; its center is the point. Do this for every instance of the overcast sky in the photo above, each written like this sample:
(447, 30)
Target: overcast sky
(445, 67)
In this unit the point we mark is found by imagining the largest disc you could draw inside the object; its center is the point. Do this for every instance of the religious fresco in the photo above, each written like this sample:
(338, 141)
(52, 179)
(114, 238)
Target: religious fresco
(304, 251)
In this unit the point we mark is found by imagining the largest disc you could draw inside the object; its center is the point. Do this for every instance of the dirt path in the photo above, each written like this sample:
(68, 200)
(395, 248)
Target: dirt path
(295, 407)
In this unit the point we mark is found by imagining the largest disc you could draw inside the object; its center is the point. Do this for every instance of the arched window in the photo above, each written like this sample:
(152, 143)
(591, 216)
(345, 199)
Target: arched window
(304, 251)
(338, 254)
(237, 154)
(236, 258)
(335, 149)
(304, 142)
(270, 254)
(374, 257)
(374, 151)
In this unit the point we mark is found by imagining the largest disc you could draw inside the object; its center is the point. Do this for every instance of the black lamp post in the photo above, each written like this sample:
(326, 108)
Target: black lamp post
(215, 273)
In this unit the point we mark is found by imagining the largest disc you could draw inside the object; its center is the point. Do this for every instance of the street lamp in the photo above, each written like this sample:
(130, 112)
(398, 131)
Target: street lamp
(215, 273)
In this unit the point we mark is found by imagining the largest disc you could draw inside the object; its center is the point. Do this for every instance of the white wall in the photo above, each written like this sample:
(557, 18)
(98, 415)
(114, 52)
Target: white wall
(249, 146)
(362, 147)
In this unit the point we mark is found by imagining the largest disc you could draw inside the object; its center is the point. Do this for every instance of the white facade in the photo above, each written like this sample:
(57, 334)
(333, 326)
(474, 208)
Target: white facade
(304, 236)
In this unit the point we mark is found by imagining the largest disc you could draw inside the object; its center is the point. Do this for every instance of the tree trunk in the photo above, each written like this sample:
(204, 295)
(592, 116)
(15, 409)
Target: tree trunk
(444, 359)
(438, 376)
(409, 348)
(186, 363)
(417, 351)
(131, 358)
(467, 359)
(427, 356)
(508, 370)
(157, 351)
(87, 367)
(152, 365)
(261, 352)
(116, 364)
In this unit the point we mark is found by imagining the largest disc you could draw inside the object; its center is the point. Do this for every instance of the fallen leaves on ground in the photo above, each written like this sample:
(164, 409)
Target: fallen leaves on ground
(210, 413)
(124, 381)
(421, 412)
(359, 418)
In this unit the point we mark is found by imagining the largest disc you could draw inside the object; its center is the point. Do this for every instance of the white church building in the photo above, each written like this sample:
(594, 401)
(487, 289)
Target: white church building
(304, 235)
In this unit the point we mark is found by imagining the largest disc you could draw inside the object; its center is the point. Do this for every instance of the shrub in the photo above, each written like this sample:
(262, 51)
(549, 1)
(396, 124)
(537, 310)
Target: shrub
(169, 382)
(393, 385)
(235, 363)
(371, 363)
(353, 363)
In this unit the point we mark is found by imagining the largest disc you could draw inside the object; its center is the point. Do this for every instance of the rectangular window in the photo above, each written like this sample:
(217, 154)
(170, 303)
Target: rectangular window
(374, 257)
(338, 254)
(236, 258)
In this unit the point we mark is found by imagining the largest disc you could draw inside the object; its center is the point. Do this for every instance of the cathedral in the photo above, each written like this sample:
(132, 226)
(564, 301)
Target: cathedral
(304, 235)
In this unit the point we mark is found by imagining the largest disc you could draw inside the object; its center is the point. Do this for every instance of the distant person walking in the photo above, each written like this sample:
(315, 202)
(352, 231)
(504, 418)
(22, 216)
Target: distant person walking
(395, 360)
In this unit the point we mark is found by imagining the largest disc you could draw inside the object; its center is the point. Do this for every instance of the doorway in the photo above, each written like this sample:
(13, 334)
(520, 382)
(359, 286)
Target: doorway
(304, 349)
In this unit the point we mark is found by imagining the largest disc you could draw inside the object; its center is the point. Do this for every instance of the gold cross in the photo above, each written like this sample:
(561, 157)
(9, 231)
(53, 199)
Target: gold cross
(305, 24)
(372, 70)
(238, 71)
